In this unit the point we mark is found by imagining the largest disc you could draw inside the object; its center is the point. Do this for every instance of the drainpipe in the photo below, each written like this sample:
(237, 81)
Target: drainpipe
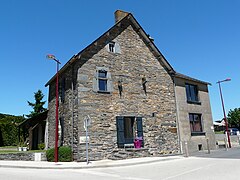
(46, 135)
(177, 117)
(72, 115)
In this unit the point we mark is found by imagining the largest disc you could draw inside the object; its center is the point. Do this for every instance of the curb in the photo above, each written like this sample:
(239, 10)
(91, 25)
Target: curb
(58, 166)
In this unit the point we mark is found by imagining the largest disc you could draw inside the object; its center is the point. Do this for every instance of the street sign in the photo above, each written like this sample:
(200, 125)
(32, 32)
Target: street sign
(87, 122)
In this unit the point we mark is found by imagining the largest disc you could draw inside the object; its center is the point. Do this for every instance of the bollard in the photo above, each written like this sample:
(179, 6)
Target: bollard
(37, 157)
(208, 148)
(226, 146)
(186, 149)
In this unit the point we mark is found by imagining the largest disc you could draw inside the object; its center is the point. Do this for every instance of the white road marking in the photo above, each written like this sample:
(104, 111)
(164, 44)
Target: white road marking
(187, 172)
(103, 174)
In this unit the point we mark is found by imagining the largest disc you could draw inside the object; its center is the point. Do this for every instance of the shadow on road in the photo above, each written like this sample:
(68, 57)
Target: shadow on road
(231, 153)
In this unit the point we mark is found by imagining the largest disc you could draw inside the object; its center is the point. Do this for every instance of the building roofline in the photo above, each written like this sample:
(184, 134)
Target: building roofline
(179, 75)
(141, 31)
(42, 115)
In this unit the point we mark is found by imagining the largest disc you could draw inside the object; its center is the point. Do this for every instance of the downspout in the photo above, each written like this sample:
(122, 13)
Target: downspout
(73, 124)
(72, 116)
(177, 117)
(72, 99)
(46, 135)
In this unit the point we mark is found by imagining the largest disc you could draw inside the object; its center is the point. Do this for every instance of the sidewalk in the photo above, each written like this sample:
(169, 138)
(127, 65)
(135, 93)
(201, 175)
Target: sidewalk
(84, 165)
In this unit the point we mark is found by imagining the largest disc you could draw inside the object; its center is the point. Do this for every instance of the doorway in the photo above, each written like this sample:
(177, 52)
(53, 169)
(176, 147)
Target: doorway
(129, 129)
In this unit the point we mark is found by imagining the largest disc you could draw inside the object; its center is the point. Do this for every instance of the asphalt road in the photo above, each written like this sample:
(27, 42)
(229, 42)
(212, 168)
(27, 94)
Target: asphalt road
(218, 165)
(220, 137)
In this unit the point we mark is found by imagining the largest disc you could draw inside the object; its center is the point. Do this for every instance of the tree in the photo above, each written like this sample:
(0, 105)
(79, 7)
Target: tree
(234, 118)
(38, 105)
(9, 129)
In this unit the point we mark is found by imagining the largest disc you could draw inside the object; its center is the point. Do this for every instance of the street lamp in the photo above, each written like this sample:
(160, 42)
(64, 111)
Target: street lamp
(225, 118)
(52, 57)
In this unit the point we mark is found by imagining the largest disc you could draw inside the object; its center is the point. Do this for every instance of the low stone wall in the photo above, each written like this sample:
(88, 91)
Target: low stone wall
(28, 156)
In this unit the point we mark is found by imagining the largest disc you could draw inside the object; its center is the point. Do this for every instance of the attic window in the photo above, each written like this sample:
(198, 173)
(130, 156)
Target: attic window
(111, 47)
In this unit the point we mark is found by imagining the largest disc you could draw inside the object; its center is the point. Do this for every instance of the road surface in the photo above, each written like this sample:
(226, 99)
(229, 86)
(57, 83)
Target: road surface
(218, 165)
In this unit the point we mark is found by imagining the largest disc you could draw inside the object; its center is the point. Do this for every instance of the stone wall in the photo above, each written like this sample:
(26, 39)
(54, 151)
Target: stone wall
(133, 62)
(21, 156)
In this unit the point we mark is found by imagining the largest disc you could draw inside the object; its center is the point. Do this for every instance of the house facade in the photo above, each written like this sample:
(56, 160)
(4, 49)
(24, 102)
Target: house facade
(126, 87)
(195, 122)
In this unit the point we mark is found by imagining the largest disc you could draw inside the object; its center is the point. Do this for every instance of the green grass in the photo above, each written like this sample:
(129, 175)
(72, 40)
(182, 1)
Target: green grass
(219, 132)
(8, 152)
(8, 147)
(16, 152)
(14, 149)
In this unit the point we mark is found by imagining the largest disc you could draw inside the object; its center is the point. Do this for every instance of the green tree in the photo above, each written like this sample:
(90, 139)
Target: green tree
(9, 129)
(38, 105)
(234, 117)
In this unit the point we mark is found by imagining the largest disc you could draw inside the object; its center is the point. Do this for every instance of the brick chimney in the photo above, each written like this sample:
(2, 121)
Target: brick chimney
(119, 15)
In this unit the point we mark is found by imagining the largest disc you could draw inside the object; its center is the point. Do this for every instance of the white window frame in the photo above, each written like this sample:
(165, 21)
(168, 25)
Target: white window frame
(115, 48)
(108, 78)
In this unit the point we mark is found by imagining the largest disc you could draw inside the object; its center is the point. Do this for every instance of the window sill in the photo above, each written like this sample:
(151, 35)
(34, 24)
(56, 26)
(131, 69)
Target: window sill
(194, 102)
(198, 133)
(104, 92)
(116, 53)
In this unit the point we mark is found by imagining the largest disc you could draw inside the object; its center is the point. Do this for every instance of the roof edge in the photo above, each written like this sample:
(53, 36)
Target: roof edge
(129, 16)
(179, 75)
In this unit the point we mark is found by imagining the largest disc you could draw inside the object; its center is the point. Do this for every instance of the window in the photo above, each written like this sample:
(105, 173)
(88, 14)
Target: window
(102, 81)
(195, 124)
(126, 128)
(113, 47)
(192, 93)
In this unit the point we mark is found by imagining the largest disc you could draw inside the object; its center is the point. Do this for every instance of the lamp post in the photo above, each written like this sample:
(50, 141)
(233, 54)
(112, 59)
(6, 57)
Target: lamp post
(225, 118)
(52, 57)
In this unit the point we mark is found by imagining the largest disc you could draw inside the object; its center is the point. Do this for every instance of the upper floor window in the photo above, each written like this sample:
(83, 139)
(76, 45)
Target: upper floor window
(102, 81)
(113, 47)
(192, 93)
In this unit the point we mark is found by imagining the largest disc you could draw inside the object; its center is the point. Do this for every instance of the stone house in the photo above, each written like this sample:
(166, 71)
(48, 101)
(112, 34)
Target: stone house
(127, 88)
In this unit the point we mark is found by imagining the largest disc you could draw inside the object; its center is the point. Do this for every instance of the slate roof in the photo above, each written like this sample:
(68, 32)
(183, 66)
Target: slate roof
(34, 120)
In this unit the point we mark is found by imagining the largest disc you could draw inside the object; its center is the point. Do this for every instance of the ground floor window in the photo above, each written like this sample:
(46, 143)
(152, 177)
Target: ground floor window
(128, 129)
(195, 123)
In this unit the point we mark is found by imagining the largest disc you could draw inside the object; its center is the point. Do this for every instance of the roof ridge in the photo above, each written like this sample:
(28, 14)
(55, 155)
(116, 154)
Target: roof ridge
(162, 60)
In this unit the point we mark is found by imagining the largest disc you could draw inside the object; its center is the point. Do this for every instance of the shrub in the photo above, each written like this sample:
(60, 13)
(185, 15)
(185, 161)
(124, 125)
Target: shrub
(41, 146)
(50, 155)
(64, 154)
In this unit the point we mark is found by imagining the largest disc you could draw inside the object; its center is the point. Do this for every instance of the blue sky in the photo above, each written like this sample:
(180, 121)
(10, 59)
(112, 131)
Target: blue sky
(199, 38)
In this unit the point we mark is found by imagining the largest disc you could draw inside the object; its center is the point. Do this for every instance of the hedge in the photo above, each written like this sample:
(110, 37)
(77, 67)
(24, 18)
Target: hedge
(64, 154)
